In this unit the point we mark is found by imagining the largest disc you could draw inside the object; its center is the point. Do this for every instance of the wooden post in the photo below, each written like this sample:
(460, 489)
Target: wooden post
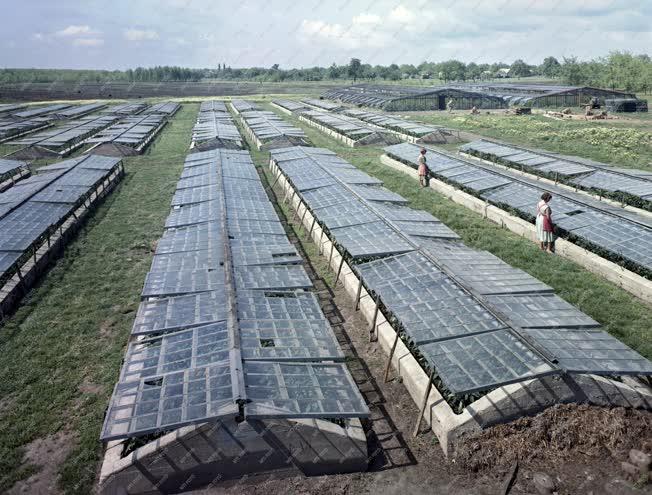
(275, 180)
(339, 270)
(305, 210)
(372, 327)
(389, 361)
(423, 404)
(312, 226)
(357, 296)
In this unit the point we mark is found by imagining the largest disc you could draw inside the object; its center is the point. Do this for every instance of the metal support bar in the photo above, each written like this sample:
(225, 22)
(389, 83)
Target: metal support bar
(423, 404)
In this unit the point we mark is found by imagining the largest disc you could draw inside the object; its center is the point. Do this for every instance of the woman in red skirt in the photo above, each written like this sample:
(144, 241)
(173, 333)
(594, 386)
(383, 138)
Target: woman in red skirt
(423, 168)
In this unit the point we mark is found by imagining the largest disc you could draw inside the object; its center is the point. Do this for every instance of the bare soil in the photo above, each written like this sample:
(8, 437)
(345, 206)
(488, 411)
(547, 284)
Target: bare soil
(47, 454)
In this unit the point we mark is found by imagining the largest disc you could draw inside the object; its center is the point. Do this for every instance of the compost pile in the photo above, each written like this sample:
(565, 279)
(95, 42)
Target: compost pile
(560, 433)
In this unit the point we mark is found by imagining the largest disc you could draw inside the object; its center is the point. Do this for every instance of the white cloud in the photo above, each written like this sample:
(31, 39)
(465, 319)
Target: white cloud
(402, 15)
(367, 19)
(38, 37)
(88, 42)
(73, 30)
(140, 35)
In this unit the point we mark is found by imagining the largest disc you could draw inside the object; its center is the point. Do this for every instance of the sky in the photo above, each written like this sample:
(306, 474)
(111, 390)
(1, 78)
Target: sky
(120, 34)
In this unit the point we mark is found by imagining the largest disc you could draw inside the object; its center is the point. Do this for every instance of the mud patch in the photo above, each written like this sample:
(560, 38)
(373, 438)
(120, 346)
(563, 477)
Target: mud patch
(88, 388)
(47, 454)
(7, 403)
(105, 328)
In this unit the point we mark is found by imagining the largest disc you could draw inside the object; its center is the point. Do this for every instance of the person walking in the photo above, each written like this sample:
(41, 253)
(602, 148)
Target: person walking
(545, 227)
(451, 105)
(423, 168)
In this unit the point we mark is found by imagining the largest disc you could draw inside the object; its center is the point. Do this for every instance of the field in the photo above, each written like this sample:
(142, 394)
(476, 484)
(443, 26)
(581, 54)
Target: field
(62, 350)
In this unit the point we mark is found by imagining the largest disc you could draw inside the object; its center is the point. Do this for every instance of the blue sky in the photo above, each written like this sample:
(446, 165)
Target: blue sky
(119, 34)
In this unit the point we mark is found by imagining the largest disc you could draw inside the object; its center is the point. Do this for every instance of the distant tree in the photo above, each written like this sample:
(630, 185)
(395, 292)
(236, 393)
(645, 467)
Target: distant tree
(550, 67)
(473, 71)
(334, 71)
(451, 70)
(519, 69)
(408, 70)
(571, 71)
(355, 67)
(274, 67)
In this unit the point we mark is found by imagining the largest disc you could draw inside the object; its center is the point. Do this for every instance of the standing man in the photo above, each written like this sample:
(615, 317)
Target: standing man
(451, 105)
(423, 168)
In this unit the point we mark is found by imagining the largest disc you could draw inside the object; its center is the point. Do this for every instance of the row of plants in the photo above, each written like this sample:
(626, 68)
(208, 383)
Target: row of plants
(355, 134)
(398, 126)
(621, 196)
(610, 255)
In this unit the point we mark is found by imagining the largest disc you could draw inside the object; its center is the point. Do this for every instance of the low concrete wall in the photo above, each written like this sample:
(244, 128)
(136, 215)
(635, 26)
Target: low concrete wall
(282, 109)
(225, 452)
(248, 131)
(500, 405)
(623, 278)
(22, 173)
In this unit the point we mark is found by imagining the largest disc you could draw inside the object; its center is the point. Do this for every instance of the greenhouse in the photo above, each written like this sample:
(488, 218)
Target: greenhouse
(215, 128)
(61, 141)
(290, 106)
(351, 130)
(405, 98)
(126, 108)
(474, 320)
(268, 130)
(414, 132)
(625, 105)
(627, 186)
(545, 95)
(129, 136)
(466, 96)
(622, 237)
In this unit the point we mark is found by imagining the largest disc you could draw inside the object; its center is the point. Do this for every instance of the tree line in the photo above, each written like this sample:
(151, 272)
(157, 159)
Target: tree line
(618, 70)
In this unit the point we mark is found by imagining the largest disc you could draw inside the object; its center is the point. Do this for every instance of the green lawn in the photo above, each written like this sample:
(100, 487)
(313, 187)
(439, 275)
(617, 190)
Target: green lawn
(626, 142)
(60, 353)
(621, 314)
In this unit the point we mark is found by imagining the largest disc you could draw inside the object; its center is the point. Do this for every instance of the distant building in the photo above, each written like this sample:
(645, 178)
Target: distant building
(503, 73)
